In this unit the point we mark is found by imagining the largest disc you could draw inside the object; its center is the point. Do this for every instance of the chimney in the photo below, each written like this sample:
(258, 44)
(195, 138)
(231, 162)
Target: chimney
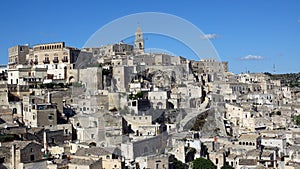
(14, 156)
(49, 97)
(45, 142)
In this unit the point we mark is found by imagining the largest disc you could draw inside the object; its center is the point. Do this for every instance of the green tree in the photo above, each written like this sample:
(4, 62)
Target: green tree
(201, 163)
(296, 119)
(106, 71)
(139, 95)
(226, 166)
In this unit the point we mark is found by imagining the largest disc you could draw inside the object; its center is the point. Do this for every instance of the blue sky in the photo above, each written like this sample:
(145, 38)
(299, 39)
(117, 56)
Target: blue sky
(250, 34)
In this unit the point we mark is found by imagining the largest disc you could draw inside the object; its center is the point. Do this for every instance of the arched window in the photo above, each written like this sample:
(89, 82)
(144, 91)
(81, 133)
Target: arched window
(15, 111)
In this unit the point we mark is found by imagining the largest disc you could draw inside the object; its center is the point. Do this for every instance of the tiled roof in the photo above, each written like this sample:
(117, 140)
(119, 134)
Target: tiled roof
(114, 150)
(82, 161)
(248, 136)
(19, 144)
(253, 152)
(97, 151)
(248, 162)
(266, 153)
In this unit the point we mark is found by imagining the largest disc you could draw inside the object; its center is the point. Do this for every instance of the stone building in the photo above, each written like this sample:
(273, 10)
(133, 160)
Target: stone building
(239, 88)
(111, 157)
(3, 94)
(26, 75)
(17, 55)
(158, 99)
(87, 127)
(56, 57)
(102, 129)
(153, 59)
(142, 125)
(153, 161)
(23, 154)
(105, 52)
(40, 115)
(211, 68)
(84, 163)
(249, 141)
(149, 146)
(276, 142)
(90, 78)
(122, 76)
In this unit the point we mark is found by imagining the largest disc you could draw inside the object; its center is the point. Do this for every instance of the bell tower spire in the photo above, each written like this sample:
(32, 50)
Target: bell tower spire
(139, 41)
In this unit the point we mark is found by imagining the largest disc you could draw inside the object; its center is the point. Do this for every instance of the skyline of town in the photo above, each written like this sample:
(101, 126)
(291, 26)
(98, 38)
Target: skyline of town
(250, 41)
(120, 106)
(149, 84)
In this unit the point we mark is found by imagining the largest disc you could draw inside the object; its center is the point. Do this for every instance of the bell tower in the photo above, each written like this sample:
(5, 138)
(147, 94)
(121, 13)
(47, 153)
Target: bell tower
(139, 41)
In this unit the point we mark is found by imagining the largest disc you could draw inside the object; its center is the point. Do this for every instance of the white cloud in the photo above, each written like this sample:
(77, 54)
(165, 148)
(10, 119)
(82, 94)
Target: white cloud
(252, 57)
(210, 36)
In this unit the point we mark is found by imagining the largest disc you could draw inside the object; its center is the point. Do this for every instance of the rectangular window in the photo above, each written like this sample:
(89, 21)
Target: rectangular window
(31, 157)
(134, 103)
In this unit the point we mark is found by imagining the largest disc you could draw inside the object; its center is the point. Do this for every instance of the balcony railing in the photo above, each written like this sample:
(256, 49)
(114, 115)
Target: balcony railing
(64, 60)
(46, 61)
(55, 60)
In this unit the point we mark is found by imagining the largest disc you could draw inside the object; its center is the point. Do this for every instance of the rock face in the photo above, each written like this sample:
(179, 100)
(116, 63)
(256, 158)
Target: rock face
(162, 79)
(209, 123)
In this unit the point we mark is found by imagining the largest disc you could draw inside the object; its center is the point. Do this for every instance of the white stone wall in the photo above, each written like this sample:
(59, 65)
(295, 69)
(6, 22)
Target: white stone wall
(158, 99)
(275, 142)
